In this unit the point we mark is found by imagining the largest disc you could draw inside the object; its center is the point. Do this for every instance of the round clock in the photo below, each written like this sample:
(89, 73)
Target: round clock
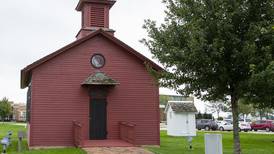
(97, 61)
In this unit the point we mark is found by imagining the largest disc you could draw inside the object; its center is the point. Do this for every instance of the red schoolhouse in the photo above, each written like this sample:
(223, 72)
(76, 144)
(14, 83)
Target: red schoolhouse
(95, 91)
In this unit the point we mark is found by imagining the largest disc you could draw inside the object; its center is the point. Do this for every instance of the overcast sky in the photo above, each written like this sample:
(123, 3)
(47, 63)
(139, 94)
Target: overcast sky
(32, 29)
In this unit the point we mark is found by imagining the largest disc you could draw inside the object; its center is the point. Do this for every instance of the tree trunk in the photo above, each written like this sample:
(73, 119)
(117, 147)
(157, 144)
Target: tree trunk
(261, 114)
(236, 136)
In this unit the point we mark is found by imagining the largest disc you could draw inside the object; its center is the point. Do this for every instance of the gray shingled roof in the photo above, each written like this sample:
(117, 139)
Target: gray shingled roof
(99, 78)
(182, 107)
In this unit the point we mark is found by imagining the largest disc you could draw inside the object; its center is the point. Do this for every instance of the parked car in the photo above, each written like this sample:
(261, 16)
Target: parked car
(267, 125)
(244, 126)
(219, 122)
(228, 126)
(228, 120)
(206, 124)
(246, 120)
(225, 125)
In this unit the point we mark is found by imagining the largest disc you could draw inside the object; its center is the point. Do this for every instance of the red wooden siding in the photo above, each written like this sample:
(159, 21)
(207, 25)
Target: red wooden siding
(58, 98)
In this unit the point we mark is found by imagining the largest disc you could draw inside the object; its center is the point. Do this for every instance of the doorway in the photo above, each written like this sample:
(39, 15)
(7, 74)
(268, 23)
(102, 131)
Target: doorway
(98, 119)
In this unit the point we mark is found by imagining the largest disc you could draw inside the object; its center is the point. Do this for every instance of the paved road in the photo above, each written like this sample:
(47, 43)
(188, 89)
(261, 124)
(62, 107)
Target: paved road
(251, 132)
(15, 123)
(163, 127)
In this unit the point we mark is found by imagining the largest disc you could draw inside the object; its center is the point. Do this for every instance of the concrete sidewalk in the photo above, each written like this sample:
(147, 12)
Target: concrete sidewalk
(117, 150)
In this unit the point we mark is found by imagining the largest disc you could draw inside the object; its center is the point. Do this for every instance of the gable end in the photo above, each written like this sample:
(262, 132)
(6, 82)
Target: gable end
(26, 72)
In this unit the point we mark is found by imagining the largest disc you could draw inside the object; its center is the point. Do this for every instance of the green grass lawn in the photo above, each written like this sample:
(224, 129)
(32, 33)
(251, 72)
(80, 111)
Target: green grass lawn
(4, 128)
(250, 143)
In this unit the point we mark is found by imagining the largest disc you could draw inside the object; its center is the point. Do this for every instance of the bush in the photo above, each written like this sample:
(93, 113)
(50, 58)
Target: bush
(220, 118)
(204, 116)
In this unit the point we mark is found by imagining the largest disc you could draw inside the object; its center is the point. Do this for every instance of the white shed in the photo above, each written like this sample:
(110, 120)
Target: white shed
(181, 118)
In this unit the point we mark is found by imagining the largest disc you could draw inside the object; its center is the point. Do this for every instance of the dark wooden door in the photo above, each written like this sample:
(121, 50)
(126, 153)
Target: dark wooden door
(98, 119)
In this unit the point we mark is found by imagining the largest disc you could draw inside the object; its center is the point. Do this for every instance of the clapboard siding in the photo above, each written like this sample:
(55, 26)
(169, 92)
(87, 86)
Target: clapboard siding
(58, 98)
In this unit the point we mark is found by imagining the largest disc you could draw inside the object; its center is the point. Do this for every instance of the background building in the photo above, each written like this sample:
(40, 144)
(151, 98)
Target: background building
(19, 112)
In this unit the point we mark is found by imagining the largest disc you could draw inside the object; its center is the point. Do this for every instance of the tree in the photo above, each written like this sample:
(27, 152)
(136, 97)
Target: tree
(220, 118)
(245, 109)
(217, 107)
(5, 108)
(255, 109)
(264, 112)
(215, 50)
(262, 86)
(199, 115)
(164, 99)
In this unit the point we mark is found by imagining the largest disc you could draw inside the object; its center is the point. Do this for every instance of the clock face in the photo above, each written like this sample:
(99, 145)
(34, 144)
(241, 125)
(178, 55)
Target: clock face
(97, 61)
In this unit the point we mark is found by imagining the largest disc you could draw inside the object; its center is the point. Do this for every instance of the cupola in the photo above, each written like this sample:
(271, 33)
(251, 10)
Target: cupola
(95, 15)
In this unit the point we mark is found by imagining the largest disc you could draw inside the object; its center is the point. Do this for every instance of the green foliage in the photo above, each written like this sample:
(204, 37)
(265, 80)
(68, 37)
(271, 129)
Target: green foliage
(209, 48)
(4, 128)
(5, 108)
(245, 108)
(264, 112)
(213, 49)
(262, 87)
(207, 116)
(199, 116)
(203, 116)
(164, 99)
(220, 118)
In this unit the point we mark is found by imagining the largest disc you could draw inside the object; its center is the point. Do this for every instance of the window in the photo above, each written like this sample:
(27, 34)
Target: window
(97, 61)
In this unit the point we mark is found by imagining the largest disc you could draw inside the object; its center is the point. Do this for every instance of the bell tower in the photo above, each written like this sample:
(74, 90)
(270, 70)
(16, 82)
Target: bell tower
(95, 15)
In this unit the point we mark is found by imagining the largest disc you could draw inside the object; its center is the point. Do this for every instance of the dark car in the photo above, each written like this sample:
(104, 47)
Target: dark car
(267, 125)
(206, 124)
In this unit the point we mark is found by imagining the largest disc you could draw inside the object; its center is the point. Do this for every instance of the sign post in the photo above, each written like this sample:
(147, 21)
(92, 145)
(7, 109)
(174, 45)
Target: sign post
(21, 135)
